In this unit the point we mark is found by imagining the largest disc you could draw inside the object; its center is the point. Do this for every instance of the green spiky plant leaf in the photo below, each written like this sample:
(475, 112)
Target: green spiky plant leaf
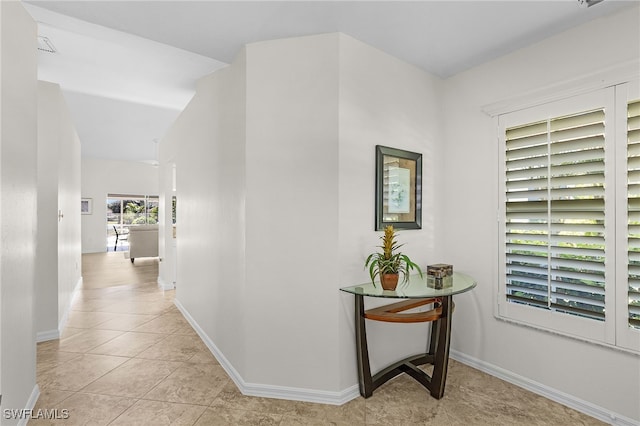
(390, 260)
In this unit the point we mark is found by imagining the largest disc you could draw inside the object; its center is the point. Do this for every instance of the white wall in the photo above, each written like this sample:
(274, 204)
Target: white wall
(167, 243)
(58, 249)
(383, 101)
(47, 245)
(269, 254)
(18, 198)
(602, 377)
(207, 145)
(102, 177)
(69, 226)
(292, 212)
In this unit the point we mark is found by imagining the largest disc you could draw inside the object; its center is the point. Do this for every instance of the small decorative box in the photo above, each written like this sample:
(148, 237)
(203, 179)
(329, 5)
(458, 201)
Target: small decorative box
(439, 276)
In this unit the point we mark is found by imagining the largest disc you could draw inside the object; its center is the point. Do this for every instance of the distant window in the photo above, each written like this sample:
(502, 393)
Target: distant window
(127, 210)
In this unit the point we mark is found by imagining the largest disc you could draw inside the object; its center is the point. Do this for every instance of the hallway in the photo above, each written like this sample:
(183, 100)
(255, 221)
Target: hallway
(128, 357)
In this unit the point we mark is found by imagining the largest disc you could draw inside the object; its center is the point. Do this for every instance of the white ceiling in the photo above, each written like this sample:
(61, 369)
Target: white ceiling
(128, 67)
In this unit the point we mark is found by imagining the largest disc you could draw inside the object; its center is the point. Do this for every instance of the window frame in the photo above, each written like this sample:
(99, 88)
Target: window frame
(146, 199)
(613, 331)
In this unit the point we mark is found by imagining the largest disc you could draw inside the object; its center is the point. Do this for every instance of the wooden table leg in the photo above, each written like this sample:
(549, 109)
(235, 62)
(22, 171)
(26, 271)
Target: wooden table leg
(442, 342)
(438, 354)
(364, 368)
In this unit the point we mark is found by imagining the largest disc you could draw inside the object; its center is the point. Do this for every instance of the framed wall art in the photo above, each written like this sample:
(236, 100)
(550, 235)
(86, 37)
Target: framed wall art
(398, 188)
(86, 206)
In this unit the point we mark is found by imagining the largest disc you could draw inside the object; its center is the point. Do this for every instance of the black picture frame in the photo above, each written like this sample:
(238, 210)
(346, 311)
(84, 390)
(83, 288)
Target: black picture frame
(398, 188)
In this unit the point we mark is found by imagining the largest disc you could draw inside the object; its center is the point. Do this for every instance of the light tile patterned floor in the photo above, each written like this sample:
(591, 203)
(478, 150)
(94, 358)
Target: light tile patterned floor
(128, 357)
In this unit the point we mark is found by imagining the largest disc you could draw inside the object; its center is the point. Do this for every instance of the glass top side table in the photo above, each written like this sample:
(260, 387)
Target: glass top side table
(413, 294)
(415, 288)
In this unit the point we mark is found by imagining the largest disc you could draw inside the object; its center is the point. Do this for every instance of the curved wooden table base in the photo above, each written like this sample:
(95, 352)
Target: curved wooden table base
(438, 355)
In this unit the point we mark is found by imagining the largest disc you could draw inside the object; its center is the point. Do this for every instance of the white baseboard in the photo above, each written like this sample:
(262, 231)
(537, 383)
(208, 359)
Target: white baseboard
(31, 402)
(270, 391)
(300, 394)
(560, 397)
(67, 310)
(45, 336)
(162, 285)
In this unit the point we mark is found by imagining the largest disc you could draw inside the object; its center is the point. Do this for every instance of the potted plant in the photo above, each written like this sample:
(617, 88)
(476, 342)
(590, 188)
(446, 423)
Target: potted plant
(390, 263)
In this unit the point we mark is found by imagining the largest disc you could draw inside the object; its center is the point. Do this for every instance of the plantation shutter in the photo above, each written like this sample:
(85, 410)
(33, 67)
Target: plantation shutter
(633, 200)
(555, 211)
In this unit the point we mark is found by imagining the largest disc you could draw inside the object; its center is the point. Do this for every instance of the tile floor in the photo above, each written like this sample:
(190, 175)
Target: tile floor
(128, 357)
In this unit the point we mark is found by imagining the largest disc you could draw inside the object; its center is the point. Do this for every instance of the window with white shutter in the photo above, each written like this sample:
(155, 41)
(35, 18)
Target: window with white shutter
(633, 211)
(569, 214)
(555, 214)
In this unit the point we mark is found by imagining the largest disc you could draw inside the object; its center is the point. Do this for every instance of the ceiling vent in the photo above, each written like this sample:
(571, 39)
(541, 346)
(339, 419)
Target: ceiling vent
(45, 45)
(588, 3)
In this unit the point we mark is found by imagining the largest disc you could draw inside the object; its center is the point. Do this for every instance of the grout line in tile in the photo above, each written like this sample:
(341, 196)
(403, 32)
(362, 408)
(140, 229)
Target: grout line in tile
(136, 400)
